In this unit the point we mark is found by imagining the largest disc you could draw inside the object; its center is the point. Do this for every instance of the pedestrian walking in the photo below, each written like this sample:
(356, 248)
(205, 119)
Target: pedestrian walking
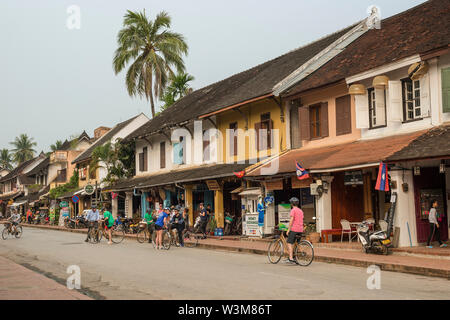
(434, 226)
(203, 219)
(92, 217)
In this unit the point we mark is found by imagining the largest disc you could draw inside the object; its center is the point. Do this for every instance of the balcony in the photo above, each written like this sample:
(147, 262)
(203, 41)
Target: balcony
(58, 157)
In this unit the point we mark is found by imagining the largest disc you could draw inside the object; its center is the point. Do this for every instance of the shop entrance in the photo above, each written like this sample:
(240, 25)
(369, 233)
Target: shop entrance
(428, 186)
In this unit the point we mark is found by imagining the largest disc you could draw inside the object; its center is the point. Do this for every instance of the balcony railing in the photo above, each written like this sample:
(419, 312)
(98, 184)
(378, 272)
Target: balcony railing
(58, 156)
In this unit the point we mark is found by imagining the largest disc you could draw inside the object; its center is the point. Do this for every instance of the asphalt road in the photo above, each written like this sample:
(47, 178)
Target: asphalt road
(136, 271)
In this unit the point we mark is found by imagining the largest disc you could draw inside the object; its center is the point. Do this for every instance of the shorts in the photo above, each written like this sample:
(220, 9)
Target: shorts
(292, 235)
(107, 228)
(157, 227)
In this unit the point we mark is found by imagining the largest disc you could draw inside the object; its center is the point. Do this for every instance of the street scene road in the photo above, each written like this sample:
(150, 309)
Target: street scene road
(136, 271)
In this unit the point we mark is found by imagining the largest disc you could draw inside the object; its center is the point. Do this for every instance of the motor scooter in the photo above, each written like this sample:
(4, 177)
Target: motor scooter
(373, 242)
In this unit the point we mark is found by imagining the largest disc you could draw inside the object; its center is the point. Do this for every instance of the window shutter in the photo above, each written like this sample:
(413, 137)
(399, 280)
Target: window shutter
(343, 115)
(269, 135)
(380, 105)
(145, 156)
(395, 107)
(424, 97)
(324, 119)
(141, 161)
(303, 116)
(206, 152)
(362, 111)
(162, 156)
(445, 90)
(257, 129)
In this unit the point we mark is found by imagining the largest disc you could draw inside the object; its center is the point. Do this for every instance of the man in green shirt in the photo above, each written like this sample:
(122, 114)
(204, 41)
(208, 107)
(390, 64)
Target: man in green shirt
(150, 219)
(109, 222)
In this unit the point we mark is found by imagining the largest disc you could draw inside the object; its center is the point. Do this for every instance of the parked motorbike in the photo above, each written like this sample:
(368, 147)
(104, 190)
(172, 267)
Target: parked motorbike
(373, 241)
(228, 224)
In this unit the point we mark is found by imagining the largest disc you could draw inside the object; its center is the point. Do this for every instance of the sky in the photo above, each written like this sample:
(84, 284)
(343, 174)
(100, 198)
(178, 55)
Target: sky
(56, 82)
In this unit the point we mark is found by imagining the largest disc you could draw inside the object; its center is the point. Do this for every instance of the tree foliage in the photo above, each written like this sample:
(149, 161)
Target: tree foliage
(70, 186)
(152, 50)
(23, 148)
(6, 159)
(178, 88)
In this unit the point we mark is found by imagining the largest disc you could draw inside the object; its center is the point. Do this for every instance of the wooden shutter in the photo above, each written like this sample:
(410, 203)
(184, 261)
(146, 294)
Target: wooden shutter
(362, 110)
(395, 106)
(303, 120)
(141, 161)
(343, 115)
(269, 135)
(206, 151)
(380, 106)
(162, 155)
(445, 90)
(324, 119)
(145, 156)
(257, 128)
(424, 96)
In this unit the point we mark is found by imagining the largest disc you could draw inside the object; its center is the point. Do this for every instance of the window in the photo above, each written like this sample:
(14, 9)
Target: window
(143, 160)
(178, 152)
(411, 99)
(343, 115)
(233, 139)
(62, 175)
(162, 154)
(206, 143)
(264, 137)
(314, 121)
(93, 174)
(377, 107)
(83, 174)
(445, 90)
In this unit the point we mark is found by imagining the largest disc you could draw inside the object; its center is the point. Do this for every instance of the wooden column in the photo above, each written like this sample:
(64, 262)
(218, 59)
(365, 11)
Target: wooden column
(189, 201)
(218, 205)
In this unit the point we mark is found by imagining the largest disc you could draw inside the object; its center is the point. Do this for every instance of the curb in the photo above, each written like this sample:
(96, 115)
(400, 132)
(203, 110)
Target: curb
(424, 271)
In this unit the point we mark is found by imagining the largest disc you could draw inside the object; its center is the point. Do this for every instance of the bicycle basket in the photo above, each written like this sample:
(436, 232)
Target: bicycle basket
(142, 225)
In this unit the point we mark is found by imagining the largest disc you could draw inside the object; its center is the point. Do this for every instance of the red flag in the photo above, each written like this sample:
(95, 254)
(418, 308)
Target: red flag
(239, 174)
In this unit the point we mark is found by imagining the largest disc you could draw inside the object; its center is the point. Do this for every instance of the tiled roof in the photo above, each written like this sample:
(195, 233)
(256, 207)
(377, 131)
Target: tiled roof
(203, 172)
(361, 152)
(102, 140)
(433, 144)
(255, 82)
(414, 31)
(41, 166)
(16, 171)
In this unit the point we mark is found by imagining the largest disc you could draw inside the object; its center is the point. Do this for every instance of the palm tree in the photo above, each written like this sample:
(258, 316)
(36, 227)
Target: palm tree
(57, 145)
(153, 50)
(5, 159)
(23, 150)
(177, 89)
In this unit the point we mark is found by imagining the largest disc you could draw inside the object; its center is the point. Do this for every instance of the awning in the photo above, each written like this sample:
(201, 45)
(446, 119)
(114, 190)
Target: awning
(251, 192)
(16, 204)
(237, 190)
(191, 174)
(10, 195)
(348, 156)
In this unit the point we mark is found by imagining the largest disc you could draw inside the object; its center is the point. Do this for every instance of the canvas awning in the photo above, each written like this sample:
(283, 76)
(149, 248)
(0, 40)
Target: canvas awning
(16, 204)
(251, 192)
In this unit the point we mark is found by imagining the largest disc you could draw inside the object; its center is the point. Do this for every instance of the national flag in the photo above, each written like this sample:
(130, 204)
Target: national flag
(301, 172)
(239, 174)
(382, 180)
(114, 195)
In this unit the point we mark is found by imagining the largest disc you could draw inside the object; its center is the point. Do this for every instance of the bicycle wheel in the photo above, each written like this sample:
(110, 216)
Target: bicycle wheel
(190, 239)
(275, 251)
(304, 253)
(5, 234)
(166, 240)
(19, 231)
(117, 236)
(142, 236)
(94, 236)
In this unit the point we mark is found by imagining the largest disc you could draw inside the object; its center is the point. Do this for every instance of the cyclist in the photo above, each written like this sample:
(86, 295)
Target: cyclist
(150, 219)
(160, 223)
(92, 217)
(15, 219)
(177, 222)
(295, 227)
(109, 221)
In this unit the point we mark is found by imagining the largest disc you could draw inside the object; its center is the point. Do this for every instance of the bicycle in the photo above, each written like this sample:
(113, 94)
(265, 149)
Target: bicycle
(166, 240)
(96, 234)
(8, 231)
(303, 249)
(143, 233)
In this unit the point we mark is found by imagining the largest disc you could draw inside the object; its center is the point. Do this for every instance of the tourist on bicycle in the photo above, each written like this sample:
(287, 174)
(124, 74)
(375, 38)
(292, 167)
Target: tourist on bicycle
(150, 219)
(295, 227)
(108, 221)
(177, 222)
(160, 223)
(203, 219)
(92, 217)
(15, 219)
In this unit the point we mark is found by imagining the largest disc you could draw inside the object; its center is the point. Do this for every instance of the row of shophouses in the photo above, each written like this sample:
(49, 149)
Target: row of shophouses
(339, 107)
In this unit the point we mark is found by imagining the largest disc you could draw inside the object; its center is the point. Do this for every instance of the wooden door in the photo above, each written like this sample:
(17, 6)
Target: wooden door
(347, 202)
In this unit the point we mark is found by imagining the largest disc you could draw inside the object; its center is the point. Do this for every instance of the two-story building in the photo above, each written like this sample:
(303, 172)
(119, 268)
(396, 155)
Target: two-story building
(369, 102)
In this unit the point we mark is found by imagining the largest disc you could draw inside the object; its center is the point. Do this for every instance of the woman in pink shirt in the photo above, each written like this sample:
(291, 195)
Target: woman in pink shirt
(295, 227)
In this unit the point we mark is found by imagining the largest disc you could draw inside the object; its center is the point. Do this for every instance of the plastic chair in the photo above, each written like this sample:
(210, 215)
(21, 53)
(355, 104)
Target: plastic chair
(346, 229)
(383, 225)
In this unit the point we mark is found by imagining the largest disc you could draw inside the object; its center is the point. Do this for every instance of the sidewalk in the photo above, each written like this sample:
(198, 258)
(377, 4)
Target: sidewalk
(20, 283)
(417, 260)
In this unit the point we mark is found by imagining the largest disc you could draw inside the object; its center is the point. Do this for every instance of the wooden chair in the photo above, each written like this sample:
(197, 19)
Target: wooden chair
(347, 229)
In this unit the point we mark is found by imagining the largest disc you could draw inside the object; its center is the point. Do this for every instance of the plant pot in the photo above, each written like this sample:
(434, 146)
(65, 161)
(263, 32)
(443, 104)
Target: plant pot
(314, 237)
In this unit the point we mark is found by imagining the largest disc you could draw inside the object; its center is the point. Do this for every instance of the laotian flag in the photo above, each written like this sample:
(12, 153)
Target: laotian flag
(301, 172)
(382, 180)
(239, 174)
(114, 195)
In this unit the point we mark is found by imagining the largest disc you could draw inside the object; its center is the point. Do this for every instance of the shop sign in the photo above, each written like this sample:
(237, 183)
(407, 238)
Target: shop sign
(353, 178)
(89, 189)
(212, 185)
(274, 184)
(298, 184)
(284, 211)
(269, 200)
(251, 225)
(63, 204)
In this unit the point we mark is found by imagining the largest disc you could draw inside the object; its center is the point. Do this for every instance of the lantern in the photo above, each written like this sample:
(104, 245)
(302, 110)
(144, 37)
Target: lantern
(357, 89)
(380, 82)
(417, 70)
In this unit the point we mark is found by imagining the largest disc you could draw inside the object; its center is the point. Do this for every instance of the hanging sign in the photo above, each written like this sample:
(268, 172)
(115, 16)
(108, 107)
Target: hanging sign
(353, 178)
(298, 184)
(274, 184)
(269, 200)
(63, 204)
(213, 185)
(89, 189)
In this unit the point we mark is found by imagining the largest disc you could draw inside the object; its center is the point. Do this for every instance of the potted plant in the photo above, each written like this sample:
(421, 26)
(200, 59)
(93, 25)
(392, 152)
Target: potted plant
(212, 225)
(311, 234)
